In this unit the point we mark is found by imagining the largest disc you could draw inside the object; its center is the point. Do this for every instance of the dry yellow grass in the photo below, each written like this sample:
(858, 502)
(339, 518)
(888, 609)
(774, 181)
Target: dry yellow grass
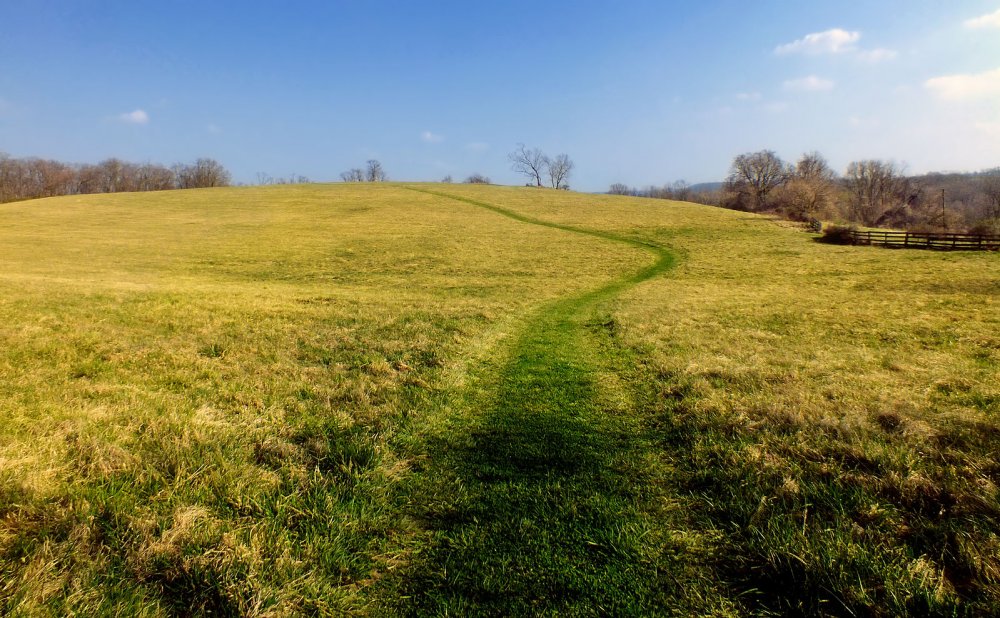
(210, 398)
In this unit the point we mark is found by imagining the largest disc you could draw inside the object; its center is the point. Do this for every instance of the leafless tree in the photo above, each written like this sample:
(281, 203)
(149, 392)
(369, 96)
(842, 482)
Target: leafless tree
(201, 174)
(531, 163)
(813, 166)
(355, 174)
(477, 179)
(809, 191)
(559, 170)
(755, 175)
(374, 172)
(680, 190)
(447, 179)
(620, 188)
(989, 184)
(875, 186)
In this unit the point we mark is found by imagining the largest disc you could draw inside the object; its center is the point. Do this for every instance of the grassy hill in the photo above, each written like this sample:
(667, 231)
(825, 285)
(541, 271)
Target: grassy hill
(451, 400)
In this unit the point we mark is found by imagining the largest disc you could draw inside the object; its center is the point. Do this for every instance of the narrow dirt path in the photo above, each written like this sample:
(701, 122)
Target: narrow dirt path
(537, 494)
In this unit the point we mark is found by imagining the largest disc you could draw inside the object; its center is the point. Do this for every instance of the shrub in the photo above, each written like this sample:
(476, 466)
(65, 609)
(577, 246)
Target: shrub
(838, 235)
(986, 227)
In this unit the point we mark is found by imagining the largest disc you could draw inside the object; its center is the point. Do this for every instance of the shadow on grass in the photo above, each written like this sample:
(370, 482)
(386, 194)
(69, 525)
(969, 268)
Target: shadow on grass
(534, 510)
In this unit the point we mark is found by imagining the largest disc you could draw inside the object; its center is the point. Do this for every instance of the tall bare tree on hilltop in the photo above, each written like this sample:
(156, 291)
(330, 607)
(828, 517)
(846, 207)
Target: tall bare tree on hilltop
(559, 171)
(532, 163)
(375, 172)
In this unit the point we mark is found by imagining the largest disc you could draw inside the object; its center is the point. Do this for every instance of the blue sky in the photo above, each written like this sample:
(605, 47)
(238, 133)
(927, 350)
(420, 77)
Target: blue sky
(643, 92)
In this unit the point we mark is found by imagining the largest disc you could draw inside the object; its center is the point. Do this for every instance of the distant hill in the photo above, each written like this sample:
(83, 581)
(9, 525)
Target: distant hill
(705, 187)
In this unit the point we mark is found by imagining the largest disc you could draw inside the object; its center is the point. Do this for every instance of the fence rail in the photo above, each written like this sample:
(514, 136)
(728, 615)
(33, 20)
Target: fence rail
(918, 240)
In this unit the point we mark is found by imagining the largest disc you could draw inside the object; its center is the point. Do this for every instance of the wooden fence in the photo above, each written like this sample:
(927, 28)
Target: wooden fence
(917, 240)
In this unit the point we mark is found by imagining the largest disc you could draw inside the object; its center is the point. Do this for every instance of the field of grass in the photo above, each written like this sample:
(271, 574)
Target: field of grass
(455, 400)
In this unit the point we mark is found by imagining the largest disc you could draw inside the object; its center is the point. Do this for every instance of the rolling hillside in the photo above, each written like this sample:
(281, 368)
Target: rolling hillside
(425, 399)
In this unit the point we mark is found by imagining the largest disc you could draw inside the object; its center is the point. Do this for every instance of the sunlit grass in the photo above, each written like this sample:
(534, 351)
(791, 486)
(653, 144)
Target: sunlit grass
(323, 399)
(831, 412)
(200, 387)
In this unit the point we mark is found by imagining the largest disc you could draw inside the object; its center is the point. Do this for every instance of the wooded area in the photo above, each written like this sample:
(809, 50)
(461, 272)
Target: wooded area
(872, 193)
(30, 178)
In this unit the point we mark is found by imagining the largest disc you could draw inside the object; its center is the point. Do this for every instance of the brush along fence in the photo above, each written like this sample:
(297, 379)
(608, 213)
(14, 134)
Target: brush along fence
(918, 240)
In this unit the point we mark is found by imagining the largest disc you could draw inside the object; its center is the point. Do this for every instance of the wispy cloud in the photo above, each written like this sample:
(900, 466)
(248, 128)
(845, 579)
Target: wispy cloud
(136, 117)
(877, 55)
(833, 41)
(809, 84)
(748, 96)
(990, 20)
(964, 87)
(431, 138)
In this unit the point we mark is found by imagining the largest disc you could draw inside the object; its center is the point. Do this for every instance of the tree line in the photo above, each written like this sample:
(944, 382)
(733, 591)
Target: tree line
(871, 192)
(30, 178)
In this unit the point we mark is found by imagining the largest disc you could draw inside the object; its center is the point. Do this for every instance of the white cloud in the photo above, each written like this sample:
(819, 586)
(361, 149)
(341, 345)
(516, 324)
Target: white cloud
(877, 55)
(136, 117)
(990, 20)
(964, 87)
(477, 146)
(431, 138)
(809, 84)
(748, 96)
(833, 41)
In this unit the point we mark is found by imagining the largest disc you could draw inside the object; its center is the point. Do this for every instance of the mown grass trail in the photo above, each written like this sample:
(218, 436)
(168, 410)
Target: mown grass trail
(536, 494)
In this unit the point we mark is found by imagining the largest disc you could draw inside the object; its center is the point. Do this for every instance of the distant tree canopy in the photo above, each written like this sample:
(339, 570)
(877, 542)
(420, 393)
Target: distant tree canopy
(22, 179)
(477, 179)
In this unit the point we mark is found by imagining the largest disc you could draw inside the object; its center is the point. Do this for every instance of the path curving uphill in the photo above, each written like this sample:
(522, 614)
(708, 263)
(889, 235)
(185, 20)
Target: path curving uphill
(536, 498)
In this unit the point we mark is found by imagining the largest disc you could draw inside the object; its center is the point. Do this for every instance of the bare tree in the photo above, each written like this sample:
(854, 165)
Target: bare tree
(447, 179)
(355, 174)
(374, 172)
(813, 166)
(153, 177)
(680, 190)
(755, 175)
(989, 183)
(809, 191)
(875, 186)
(620, 188)
(477, 179)
(531, 163)
(559, 170)
(201, 174)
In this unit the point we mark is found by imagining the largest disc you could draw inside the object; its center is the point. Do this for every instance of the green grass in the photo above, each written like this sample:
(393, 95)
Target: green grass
(455, 400)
